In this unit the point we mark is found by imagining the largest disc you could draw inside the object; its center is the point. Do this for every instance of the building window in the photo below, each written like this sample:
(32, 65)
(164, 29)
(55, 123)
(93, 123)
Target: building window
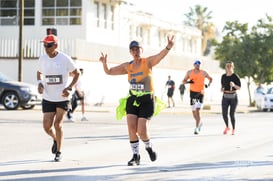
(61, 12)
(104, 15)
(10, 9)
(112, 17)
(104, 11)
(97, 13)
(139, 32)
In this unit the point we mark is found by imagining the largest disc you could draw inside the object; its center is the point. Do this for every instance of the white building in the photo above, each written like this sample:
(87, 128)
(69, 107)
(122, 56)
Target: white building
(87, 27)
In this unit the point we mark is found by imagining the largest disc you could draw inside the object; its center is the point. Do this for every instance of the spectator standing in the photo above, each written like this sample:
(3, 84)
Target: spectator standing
(182, 89)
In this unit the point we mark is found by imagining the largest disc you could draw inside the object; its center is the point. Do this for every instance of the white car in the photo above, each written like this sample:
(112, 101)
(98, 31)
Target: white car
(264, 100)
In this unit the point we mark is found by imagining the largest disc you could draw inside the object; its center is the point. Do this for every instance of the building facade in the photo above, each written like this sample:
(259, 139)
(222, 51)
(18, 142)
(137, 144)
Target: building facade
(99, 22)
(87, 27)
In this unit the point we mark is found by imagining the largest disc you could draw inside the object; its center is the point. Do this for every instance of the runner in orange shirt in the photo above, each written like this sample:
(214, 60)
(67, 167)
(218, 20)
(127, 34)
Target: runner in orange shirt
(140, 102)
(196, 79)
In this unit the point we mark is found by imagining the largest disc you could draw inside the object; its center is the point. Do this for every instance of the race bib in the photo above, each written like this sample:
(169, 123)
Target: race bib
(195, 101)
(54, 79)
(137, 87)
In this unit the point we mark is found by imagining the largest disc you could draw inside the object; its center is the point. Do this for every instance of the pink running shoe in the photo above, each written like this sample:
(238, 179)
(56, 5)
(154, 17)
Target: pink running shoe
(233, 132)
(226, 130)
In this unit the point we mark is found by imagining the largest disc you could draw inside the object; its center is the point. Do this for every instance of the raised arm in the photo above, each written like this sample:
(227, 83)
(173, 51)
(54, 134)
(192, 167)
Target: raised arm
(155, 59)
(117, 70)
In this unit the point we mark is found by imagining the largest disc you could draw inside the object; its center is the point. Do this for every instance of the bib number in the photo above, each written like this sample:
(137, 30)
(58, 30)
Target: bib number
(137, 87)
(54, 79)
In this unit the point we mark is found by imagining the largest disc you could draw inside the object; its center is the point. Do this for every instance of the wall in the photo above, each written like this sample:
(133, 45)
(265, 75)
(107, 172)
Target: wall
(110, 88)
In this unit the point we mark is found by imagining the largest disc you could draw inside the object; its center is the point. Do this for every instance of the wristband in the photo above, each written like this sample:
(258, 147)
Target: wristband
(39, 82)
(168, 48)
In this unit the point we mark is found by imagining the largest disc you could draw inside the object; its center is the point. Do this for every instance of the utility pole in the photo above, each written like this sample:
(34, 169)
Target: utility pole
(21, 48)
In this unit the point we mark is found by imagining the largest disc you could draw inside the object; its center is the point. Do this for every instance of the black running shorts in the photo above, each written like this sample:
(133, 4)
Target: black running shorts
(170, 93)
(145, 108)
(196, 97)
(48, 106)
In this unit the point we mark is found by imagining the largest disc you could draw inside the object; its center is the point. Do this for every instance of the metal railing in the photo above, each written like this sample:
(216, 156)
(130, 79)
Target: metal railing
(33, 48)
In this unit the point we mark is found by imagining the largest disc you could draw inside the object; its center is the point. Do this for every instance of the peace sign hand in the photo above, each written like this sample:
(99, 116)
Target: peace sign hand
(103, 58)
(170, 41)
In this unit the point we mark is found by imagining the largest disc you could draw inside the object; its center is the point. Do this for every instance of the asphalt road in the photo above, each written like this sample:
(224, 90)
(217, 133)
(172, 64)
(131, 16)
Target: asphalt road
(99, 149)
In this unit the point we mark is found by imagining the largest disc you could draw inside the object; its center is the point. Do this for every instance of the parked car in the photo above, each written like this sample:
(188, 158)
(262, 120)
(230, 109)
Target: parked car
(264, 99)
(14, 94)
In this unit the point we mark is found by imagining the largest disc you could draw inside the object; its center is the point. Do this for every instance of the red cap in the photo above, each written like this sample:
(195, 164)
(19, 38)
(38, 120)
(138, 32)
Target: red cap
(50, 39)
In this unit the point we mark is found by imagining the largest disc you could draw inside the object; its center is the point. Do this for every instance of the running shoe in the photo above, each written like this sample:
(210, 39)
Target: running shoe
(152, 154)
(58, 156)
(84, 119)
(54, 147)
(226, 130)
(71, 118)
(196, 131)
(135, 160)
(233, 132)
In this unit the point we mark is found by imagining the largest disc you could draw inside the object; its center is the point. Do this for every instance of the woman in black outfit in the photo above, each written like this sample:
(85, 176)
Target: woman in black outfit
(230, 83)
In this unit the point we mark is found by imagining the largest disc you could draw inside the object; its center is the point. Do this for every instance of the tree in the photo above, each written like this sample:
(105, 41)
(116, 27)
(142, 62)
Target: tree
(200, 17)
(250, 50)
(263, 36)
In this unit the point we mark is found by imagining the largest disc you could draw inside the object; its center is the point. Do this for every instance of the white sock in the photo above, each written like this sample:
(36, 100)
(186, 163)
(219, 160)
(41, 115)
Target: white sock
(135, 147)
(147, 143)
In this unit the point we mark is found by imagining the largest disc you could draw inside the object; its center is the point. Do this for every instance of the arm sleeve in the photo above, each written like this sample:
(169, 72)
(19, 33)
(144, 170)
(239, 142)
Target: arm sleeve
(238, 81)
(222, 81)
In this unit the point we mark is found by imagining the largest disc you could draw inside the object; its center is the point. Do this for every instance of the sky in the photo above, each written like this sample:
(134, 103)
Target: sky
(222, 10)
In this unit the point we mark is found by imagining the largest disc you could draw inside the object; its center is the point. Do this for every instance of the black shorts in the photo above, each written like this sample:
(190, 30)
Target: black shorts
(170, 93)
(48, 106)
(196, 97)
(145, 108)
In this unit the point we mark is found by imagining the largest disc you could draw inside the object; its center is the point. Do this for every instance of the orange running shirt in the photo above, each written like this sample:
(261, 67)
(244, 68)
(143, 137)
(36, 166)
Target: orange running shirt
(199, 81)
(141, 76)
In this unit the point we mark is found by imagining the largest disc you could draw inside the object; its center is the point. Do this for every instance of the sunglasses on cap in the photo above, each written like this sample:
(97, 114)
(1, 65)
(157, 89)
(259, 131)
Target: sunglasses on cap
(229, 62)
(49, 45)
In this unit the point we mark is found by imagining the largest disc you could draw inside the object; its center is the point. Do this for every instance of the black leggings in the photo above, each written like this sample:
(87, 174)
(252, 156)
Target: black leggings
(232, 103)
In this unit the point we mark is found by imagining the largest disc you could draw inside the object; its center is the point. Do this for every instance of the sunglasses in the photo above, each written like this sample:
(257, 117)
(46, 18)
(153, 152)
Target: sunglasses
(135, 48)
(49, 45)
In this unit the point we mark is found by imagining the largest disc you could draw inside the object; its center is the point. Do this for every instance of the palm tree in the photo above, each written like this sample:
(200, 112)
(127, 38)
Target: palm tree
(199, 17)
